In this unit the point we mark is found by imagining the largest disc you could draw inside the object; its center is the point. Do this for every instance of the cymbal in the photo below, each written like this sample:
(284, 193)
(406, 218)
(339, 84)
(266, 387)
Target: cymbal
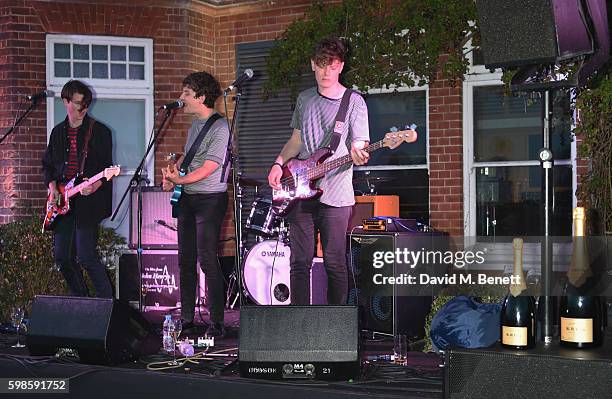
(373, 180)
(249, 181)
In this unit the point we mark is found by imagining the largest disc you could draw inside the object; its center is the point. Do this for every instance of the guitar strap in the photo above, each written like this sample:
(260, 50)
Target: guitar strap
(340, 119)
(196, 144)
(92, 121)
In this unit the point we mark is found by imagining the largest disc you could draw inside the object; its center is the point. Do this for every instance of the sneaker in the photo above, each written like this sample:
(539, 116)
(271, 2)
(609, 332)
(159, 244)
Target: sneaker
(216, 330)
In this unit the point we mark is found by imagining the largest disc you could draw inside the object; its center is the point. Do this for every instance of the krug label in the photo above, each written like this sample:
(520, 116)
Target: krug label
(576, 330)
(514, 336)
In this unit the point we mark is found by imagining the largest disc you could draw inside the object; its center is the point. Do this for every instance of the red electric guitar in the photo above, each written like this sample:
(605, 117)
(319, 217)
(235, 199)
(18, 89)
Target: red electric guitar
(299, 175)
(69, 190)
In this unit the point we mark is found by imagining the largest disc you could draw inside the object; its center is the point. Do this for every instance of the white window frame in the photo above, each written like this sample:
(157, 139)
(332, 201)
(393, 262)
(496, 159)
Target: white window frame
(126, 89)
(478, 75)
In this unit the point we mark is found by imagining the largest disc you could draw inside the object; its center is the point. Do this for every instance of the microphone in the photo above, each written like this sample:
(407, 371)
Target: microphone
(246, 75)
(41, 94)
(173, 105)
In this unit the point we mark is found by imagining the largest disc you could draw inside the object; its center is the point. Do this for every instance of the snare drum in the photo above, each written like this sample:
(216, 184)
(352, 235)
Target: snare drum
(262, 219)
(266, 273)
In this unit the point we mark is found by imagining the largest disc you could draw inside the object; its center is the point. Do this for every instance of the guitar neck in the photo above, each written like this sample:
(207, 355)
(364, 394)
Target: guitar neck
(77, 189)
(320, 170)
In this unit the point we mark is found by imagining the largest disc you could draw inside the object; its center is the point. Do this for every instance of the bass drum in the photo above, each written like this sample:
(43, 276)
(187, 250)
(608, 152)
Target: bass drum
(265, 274)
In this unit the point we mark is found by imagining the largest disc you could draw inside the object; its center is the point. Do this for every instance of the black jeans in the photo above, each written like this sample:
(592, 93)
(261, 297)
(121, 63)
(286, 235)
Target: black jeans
(199, 227)
(332, 223)
(75, 247)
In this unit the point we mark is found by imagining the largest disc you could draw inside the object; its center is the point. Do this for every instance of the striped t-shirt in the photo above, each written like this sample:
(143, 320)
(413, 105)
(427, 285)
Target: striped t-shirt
(213, 148)
(72, 163)
(314, 117)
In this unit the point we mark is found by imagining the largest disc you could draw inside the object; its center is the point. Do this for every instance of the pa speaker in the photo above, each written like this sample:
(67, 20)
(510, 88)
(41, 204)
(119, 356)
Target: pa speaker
(526, 32)
(299, 342)
(103, 331)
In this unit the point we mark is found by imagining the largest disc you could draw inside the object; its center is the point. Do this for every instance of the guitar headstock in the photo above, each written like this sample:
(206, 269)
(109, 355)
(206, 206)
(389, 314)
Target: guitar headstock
(394, 139)
(112, 171)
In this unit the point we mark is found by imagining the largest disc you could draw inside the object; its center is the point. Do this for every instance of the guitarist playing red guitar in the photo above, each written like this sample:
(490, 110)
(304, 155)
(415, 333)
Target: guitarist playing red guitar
(80, 145)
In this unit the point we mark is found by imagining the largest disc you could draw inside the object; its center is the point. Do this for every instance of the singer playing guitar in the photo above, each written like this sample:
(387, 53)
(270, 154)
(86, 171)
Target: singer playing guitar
(203, 198)
(313, 124)
(80, 145)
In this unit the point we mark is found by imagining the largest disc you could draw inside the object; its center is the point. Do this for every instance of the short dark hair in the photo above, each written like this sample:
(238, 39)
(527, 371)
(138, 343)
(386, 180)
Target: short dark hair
(76, 86)
(203, 83)
(329, 49)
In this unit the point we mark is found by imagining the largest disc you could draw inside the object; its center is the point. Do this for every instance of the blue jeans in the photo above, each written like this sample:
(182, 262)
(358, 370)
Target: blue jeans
(199, 227)
(75, 249)
(332, 223)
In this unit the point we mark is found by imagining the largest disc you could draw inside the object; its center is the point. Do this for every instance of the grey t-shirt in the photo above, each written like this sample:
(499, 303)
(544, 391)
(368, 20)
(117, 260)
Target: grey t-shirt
(314, 117)
(213, 148)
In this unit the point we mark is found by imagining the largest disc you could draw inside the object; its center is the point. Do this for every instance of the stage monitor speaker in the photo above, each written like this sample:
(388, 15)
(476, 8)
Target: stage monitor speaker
(299, 342)
(544, 372)
(160, 278)
(158, 226)
(527, 32)
(103, 331)
(383, 308)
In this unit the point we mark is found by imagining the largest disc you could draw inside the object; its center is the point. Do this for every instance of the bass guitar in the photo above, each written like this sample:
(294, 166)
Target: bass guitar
(69, 190)
(298, 181)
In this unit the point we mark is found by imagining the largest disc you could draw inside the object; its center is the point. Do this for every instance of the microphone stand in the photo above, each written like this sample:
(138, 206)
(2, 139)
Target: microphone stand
(135, 181)
(18, 121)
(232, 161)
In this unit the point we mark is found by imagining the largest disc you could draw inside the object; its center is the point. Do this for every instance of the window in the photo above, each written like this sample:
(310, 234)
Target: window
(120, 73)
(404, 170)
(502, 173)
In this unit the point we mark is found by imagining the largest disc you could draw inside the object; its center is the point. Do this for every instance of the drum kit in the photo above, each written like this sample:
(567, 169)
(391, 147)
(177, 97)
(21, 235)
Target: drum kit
(265, 268)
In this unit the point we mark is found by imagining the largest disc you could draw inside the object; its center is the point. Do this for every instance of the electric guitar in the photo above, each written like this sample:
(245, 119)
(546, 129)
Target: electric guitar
(300, 175)
(69, 190)
(178, 189)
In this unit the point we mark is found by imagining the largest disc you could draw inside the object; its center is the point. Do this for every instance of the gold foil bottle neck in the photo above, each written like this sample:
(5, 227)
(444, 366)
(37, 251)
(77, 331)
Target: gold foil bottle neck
(579, 269)
(518, 283)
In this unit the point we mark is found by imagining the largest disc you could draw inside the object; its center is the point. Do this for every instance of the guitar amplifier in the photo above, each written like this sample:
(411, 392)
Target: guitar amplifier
(160, 280)
(158, 226)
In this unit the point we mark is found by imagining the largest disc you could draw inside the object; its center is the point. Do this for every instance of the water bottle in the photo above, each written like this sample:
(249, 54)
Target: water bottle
(167, 340)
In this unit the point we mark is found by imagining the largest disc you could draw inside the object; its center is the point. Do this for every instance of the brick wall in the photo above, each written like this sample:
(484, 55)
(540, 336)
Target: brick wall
(188, 36)
(446, 157)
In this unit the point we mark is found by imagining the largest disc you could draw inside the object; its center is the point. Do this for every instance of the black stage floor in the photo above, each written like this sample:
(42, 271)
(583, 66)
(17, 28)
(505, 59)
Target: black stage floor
(219, 377)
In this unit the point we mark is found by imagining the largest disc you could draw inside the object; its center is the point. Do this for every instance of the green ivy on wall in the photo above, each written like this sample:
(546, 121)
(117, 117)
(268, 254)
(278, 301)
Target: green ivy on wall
(391, 43)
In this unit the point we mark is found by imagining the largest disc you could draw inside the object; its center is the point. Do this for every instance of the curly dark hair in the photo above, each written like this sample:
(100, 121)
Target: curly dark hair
(329, 49)
(203, 83)
(76, 86)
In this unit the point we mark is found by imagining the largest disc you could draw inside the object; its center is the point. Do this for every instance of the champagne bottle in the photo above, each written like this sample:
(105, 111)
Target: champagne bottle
(518, 311)
(580, 314)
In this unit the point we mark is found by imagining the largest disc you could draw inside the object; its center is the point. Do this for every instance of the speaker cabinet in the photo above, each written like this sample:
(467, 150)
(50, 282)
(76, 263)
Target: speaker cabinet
(388, 308)
(158, 226)
(299, 342)
(103, 331)
(544, 372)
(161, 280)
(524, 32)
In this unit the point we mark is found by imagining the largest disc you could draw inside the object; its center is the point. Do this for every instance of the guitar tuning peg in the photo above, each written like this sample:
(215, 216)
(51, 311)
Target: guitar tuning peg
(393, 129)
(411, 127)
